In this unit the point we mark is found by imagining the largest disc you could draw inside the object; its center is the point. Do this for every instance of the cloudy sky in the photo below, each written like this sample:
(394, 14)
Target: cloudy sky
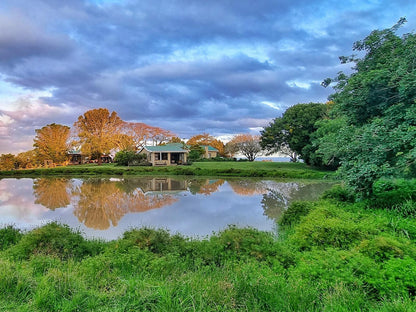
(222, 67)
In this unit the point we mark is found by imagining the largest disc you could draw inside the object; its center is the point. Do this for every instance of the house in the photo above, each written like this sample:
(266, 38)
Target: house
(166, 155)
(209, 151)
(76, 158)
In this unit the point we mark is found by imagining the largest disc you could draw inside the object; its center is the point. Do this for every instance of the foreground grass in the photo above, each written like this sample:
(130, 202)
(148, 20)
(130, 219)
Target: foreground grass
(329, 256)
(220, 169)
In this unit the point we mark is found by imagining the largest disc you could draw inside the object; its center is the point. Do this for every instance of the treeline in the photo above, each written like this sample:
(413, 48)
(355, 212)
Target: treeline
(98, 132)
(367, 129)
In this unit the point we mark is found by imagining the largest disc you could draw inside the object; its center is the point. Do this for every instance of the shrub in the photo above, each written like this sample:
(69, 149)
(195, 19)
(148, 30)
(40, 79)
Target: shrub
(130, 158)
(295, 211)
(56, 240)
(339, 193)
(328, 226)
(388, 193)
(9, 236)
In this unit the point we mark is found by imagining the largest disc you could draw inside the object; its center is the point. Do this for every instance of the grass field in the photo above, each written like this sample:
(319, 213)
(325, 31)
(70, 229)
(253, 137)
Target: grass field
(229, 169)
(329, 256)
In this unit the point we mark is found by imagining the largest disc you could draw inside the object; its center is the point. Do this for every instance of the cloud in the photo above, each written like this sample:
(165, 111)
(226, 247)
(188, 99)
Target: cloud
(190, 67)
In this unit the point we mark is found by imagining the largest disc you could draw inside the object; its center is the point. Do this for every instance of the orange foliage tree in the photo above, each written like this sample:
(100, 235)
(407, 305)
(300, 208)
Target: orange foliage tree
(143, 134)
(246, 144)
(51, 142)
(206, 139)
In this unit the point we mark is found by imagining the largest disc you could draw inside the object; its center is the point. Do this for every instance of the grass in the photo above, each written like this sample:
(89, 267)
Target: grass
(329, 256)
(218, 169)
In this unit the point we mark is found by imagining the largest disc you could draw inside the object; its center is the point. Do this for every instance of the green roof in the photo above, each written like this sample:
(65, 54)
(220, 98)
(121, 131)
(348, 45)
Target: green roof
(172, 147)
(210, 148)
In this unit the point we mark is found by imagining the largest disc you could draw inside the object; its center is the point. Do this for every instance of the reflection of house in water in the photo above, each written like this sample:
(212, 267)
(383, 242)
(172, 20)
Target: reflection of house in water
(163, 185)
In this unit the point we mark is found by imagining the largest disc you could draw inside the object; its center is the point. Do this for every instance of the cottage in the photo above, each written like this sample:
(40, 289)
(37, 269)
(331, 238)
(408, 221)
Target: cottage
(166, 155)
(209, 151)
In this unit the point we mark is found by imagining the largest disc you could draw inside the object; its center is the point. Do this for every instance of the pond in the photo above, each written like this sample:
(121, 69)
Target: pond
(107, 207)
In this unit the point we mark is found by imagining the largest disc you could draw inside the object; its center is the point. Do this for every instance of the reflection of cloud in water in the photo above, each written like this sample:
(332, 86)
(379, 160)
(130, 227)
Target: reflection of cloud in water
(106, 208)
(280, 195)
(17, 204)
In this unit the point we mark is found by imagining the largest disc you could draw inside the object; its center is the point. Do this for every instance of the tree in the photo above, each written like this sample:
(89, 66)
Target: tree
(292, 132)
(247, 144)
(7, 162)
(206, 139)
(374, 114)
(98, 131)
(143, 134)
(51, 142)
(27, 159)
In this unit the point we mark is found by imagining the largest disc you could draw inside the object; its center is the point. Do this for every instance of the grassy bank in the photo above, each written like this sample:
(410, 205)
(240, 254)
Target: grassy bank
(329, 256)
(219, 169)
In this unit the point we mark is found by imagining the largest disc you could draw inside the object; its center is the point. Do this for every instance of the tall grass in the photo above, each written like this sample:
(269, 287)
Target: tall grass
(328, 256)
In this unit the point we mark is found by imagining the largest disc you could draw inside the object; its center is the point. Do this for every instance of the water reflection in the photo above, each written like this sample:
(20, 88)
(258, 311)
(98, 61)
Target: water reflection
(191, 206)
(52, 193)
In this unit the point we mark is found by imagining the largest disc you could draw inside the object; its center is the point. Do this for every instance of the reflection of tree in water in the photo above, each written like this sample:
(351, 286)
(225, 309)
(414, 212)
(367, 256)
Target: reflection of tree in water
(52, 192)
(280, 195)
(103, 203)
(210, 186)
(248, 187)
(204, 186)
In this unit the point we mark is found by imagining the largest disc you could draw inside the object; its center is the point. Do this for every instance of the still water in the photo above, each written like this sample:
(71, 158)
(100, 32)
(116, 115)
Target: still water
(106, 208)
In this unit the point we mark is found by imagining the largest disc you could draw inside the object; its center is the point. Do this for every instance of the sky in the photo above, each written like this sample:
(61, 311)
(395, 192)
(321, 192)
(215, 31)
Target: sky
(219, 67)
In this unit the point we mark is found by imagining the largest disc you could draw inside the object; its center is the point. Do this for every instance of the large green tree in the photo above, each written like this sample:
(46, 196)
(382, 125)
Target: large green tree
(51, 142)
(292, 132)
(374, 116)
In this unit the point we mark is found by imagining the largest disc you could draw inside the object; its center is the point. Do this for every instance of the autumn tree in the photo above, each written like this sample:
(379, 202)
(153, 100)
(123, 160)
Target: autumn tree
(51, 142)
(98, 131)
(7, 161)
(143, 134)
(246, 144)
(206, 139)
(27, 159)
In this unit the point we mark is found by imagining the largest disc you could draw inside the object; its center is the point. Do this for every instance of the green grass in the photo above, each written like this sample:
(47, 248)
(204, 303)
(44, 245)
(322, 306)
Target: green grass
(329, 256)
(219, 169)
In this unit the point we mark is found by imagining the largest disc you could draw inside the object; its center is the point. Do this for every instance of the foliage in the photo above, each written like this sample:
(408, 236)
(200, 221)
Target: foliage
(126, 158)
(292, 132)
(143, 134)
(336, 257)
(372, 133)
(27, 159)
(246, 144)
(98, 131)
(195, 152)
(294, 212)
(339, 193)
(206, 139)
(9, 236)
(7, 162)
(51, 142)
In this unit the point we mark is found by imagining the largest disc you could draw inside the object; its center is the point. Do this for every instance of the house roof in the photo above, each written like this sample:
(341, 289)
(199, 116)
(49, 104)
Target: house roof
(172, 147)
(210, 148)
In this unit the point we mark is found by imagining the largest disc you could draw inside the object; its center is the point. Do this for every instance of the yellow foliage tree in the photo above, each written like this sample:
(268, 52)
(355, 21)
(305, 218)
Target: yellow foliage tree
(98, 131)
(51, 142)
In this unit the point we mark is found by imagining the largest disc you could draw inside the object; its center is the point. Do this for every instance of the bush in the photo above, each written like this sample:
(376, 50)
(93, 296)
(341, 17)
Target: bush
(130, 158)
(388, 193)
(295, 211)
(328, 226)
(56, 240)
(339, 193)
(9, 236)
